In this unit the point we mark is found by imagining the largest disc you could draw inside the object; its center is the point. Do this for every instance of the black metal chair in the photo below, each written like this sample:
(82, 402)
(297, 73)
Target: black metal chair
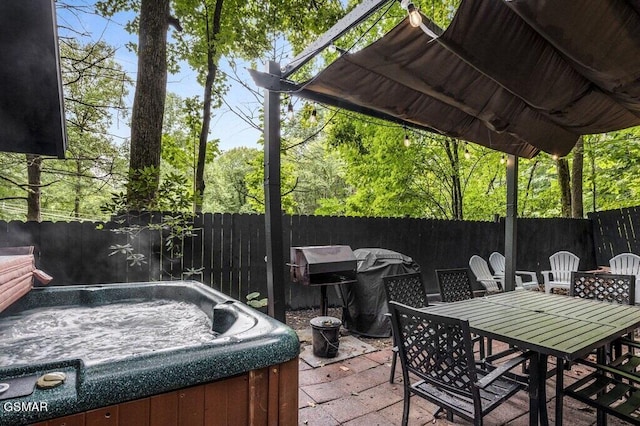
(407, 289)
(438, 351)
(610, 390)
(603, 287)
(612, 288)
(454, 284)
(612, 387)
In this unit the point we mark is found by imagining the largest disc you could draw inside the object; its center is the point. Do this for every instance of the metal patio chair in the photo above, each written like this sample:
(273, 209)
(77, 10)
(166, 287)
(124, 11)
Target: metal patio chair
(626, 264)
(480, 268)
(606, 288)
(407, 289)
(438, 351)
(612, 288)
(562, 263)
(455, 285)
(529, 279)
(611, 385)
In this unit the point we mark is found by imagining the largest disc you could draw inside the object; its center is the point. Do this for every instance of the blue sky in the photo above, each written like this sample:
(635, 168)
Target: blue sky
(225, 125)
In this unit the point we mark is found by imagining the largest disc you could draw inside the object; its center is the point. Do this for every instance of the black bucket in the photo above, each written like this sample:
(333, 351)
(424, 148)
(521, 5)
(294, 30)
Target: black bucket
(326, 336)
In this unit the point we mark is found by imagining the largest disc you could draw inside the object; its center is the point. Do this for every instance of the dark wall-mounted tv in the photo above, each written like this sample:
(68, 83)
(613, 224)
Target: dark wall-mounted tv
(31, 99)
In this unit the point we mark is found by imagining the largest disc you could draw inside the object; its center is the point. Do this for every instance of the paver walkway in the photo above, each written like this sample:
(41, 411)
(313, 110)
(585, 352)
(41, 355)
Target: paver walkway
(357, 391)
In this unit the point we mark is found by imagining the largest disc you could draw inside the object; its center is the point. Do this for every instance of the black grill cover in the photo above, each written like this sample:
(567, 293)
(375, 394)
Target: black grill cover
(365, 301)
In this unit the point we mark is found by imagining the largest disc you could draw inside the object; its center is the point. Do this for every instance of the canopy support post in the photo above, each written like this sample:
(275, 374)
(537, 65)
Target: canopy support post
(510, 226)
(272, 202)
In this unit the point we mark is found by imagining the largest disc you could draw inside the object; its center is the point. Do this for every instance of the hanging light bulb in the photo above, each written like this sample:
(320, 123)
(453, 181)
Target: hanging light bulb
(407, 141)
(290, 111)
(502, 160)
(467, 154)
(313, 118)
(415, 19)
(554, 157)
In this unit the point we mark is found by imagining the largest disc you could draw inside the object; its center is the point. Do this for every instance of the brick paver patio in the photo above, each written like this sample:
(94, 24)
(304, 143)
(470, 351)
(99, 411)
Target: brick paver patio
(357, 391)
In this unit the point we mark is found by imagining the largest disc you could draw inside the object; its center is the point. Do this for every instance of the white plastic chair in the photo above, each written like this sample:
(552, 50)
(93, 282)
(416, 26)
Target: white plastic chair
(563, 263)
(627, 264)
(480, 268)
(497, 263)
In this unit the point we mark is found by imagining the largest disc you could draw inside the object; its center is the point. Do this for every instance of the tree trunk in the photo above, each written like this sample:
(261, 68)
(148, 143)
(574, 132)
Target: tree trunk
(564, 181)
(78, 189)
(148, 102)
(34, 174)
(456, 188)
(577, 207)
(212, 69)
(523, 204)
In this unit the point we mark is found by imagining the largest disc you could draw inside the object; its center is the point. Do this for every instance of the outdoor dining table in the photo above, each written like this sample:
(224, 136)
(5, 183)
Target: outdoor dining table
(565, 327)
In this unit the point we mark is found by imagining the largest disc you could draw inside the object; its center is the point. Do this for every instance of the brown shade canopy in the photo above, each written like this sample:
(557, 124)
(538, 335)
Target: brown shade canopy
(517, 76)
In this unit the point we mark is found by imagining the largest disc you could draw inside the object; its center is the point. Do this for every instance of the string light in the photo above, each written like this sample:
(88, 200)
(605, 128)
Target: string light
(313, 118)
(415, 19)
(407, 141)
(554, 157)
(290, 110)
(467, 154)
(502, 159)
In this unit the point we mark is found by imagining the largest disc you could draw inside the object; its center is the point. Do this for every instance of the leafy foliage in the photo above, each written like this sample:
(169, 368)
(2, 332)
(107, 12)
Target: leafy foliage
(254, 301)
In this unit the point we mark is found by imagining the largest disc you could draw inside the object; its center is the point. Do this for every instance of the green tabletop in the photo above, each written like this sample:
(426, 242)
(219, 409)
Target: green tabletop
(556, 325)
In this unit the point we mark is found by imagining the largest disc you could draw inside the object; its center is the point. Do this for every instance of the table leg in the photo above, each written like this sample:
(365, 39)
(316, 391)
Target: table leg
(537, 390)
(534, 373)
(601, 356)
(559, 390)
(542, 391)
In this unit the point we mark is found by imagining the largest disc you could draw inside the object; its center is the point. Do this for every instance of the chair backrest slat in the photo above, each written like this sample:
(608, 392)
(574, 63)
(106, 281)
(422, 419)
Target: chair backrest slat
(562, 264)
(407, 289)
(436, 348)
(625, 263)
(454, 284)
(497, 263)
(480, 269)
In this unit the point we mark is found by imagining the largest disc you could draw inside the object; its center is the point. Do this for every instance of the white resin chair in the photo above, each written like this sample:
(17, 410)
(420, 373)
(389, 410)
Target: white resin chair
(529, 278)
(562, 263)
(627, 264)
(480, 268)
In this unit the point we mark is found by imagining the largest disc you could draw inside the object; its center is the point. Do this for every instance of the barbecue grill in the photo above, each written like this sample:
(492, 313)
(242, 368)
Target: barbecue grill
(323, 266)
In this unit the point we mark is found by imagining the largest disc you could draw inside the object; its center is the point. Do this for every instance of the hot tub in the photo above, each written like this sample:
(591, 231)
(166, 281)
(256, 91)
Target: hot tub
(237, 367)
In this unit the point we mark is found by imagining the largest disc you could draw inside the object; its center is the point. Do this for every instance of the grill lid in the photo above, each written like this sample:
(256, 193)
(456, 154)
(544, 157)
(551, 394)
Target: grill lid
(318, 265)
(322, 259)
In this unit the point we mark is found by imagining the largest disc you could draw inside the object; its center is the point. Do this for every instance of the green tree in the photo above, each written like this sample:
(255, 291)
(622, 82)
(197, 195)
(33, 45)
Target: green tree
(94, 89)
(228, 191)
(212, 29)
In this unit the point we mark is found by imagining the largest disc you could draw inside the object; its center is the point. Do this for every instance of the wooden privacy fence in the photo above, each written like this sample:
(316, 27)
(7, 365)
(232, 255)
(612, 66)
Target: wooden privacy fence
(614, 232)
(227, 251)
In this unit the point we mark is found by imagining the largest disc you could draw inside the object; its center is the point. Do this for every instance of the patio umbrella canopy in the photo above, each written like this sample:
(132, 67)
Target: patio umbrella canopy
(519, 76)
(516, 76)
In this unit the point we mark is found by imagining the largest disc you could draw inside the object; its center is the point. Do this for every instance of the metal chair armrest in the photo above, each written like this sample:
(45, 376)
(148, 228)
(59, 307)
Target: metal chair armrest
(494, 357)
(609, 369)
(628, 342)
(533, 275)
(501, 369)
